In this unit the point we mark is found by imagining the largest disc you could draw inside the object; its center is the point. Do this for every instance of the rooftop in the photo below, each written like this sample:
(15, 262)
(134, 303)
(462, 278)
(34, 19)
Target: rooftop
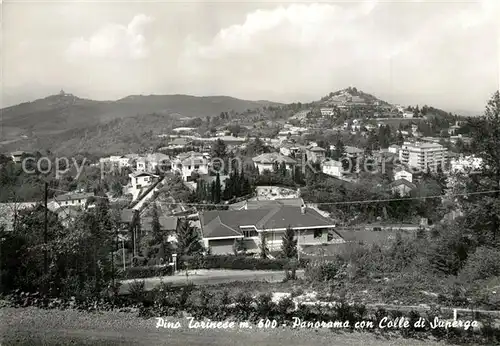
(142, 174)
(73, 196)
(316, 148)
(255, 203)
(273, 157)
(167, 223)
(400, 182)
(426, 145)
(228, 223)
(332, 163)
(353, 150)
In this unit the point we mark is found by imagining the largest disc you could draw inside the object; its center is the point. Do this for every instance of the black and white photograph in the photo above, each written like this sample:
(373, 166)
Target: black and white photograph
(260, 172)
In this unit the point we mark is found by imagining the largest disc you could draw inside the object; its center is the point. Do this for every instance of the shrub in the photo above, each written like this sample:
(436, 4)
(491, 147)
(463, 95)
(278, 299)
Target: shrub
(146, 272)
(235, 262)
(265, 305)
(137, 290)
(244, 304)
(482, 264)
(322, 271)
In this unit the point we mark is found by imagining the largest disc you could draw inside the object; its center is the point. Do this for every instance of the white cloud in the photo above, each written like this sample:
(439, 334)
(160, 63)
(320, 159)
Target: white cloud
(317, 48)
(300, 25)
(114, 41)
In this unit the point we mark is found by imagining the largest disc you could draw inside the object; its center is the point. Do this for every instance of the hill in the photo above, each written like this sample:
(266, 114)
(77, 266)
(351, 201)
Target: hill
(59, 120)
(351, 96)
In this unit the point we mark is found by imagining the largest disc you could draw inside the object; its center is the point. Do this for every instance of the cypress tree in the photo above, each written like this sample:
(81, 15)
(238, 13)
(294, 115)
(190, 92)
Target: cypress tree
(218, 190)
(264, 250)
(289, 244)
(188, 239)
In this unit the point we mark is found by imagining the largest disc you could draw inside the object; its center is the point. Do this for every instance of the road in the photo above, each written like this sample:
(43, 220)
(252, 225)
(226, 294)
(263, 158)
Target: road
(212, 277)
(149, 195)
(31, 326)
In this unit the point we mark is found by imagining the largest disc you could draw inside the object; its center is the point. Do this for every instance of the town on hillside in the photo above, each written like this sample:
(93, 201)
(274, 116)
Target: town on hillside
(272, 212)
(237, 187)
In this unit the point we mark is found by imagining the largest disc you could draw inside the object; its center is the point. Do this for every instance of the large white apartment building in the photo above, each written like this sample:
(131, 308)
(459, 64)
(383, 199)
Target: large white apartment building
(421, 155)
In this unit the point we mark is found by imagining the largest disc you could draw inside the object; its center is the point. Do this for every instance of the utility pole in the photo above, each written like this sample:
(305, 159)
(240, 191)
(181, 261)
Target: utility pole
(45, 229)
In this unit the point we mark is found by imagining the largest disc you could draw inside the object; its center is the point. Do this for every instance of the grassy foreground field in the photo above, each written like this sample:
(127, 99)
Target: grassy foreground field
(32, 326)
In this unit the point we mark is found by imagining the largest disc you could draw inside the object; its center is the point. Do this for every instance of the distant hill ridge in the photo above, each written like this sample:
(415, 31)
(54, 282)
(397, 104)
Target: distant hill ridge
(351, 95)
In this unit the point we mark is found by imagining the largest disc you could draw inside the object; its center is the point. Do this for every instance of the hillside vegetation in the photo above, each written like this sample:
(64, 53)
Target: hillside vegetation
(58, 122)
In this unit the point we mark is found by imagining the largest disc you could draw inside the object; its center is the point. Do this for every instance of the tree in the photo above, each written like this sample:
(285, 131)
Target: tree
(289, 244)
(239, 246)
(264, 250)
(116, 189)
(483, 211)
(188, 239)
(235, 129)
(155, 225)
(339, 151)
(217, 190)
(219, 149)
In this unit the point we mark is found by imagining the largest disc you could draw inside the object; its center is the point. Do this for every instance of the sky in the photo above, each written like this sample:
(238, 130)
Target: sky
(440, 53)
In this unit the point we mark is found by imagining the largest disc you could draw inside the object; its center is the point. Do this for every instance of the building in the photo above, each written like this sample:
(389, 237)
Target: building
(268, 161)
(403, 174)
(9, 211)
(394, 149)
(167, 223)
(315, 154)
(353, 152)
(193, 163)
(402, 187)
(140, 180)
(118, 161)
(75, 199)
(178, 143)
(332, 168)
(466, 164)
(221, 228)
(158, 162)
(326, 111)
(464, 139)
(290, 149)
(153, 163)
(421, 155)
(17, 156)
(408, 114)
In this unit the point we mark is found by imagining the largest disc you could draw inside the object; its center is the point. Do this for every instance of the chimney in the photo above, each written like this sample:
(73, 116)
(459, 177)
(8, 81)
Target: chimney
(302, 209)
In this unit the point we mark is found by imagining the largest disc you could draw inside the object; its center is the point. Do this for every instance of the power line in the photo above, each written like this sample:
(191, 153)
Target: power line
(322, 203)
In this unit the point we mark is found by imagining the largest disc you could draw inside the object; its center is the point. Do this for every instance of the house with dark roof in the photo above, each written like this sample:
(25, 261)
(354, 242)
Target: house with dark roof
(221, 228)
(402, 186)
(315, 154)
(268, 161)
(167, 223)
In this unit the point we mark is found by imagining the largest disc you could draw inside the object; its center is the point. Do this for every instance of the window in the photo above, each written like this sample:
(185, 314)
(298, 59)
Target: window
(250, 233)
(196, 166)
(79, 201)
(318, 233)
